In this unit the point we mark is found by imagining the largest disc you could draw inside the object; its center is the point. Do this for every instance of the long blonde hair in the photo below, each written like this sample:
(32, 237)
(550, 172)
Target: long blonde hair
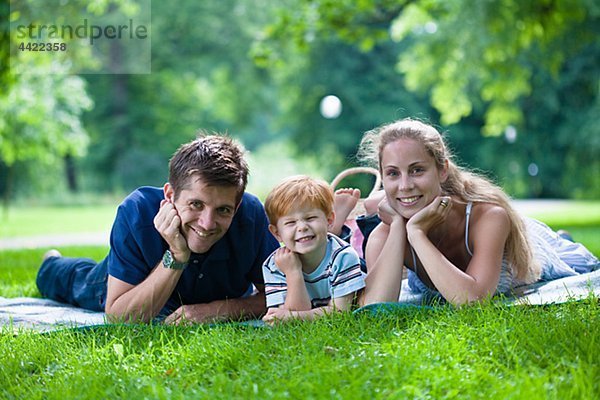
(466, 185)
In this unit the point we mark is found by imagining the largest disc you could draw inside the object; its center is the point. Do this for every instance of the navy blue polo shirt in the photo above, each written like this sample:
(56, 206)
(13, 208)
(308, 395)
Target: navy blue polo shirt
(225, 271)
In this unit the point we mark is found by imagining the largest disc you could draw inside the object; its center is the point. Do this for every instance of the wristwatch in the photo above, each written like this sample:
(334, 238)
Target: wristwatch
(169, 261)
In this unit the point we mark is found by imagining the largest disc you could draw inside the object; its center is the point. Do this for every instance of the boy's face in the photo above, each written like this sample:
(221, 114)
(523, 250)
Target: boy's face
(303, 229)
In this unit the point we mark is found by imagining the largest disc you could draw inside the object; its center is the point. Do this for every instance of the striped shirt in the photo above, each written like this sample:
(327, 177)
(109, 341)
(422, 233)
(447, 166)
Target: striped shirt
(337, 275)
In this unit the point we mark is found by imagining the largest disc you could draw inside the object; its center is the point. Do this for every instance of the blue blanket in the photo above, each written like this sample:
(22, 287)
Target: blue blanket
(42, 315)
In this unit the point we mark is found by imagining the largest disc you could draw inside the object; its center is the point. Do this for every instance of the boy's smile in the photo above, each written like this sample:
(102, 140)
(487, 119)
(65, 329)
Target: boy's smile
(303, 230)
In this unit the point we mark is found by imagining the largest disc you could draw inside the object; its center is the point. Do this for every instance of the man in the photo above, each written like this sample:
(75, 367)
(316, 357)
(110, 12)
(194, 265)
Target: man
(189, 251)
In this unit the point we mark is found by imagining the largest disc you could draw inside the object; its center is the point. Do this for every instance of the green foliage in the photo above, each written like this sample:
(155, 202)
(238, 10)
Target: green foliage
(260, 70)
(486, 51)
(202, 78)
(370, 91)
(272, 162)
(486, 67)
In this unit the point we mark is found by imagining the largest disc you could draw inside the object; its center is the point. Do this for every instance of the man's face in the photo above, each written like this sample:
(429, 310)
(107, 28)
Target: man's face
(205, 211)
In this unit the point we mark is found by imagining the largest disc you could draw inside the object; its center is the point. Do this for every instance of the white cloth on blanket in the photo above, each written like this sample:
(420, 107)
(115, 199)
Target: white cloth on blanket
(44, 315)
(575, 287)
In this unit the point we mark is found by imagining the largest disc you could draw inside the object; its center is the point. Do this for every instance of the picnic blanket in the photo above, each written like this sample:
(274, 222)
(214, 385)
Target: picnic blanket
(43, 315)
(575, 287)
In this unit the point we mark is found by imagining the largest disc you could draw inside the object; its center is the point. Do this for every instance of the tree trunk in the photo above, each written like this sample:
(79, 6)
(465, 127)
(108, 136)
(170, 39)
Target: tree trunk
(7, 190)
(71, 173)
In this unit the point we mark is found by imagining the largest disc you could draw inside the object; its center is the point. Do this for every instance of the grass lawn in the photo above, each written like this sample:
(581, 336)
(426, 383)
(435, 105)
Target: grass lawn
(489, 350)
(483, 351)
(33, 221)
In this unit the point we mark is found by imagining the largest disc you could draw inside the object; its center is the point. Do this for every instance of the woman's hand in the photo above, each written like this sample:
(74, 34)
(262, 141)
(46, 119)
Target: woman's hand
(430, 216)
(386, 213)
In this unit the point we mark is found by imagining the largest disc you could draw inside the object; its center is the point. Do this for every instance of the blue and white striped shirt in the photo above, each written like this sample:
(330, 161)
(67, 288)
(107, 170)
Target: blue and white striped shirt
(337, 275)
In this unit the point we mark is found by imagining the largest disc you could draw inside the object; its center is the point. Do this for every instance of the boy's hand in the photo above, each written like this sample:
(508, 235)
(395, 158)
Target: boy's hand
(279, 314)
(287, 261)
(168, 224)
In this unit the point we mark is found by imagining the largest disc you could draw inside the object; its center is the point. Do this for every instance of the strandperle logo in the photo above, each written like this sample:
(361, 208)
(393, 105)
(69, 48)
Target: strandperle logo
(79, 37)
(82, 31)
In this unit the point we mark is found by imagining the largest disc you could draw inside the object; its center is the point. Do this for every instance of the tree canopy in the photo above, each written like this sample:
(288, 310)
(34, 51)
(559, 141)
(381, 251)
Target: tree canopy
(465, 55)
(515, 84)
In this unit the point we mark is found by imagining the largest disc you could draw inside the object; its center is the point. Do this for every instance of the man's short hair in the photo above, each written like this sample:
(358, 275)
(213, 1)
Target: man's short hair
(298, 191)
(217, 159)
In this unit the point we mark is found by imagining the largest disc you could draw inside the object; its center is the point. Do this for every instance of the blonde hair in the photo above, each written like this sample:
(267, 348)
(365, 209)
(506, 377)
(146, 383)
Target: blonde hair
(298, 191)
(466, 185)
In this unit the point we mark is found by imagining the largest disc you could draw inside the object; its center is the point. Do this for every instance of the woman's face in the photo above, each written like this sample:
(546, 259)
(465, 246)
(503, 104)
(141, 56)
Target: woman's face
(411, 179)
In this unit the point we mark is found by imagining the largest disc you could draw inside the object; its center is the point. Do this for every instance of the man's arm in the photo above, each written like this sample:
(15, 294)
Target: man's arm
(241, 308)
(140, 303)
(143, 302)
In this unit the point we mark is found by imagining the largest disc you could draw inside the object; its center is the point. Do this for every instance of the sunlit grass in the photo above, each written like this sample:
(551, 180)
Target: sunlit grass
(484, 351)
(18, 268)
(571, 213)
(36, 220)
(491, 350)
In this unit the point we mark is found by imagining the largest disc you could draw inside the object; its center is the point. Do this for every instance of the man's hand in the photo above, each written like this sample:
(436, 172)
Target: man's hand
(168, 224)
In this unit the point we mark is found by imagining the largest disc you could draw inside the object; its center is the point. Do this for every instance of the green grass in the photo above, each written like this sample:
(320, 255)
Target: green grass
(572, 213)
(485, 351)
(491, 350)
(33, 221)
(18, 268)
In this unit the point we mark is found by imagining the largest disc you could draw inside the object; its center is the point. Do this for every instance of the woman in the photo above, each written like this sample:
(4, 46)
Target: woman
(455, 230)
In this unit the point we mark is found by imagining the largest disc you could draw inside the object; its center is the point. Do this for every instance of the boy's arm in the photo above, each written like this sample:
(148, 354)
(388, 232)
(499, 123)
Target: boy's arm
(284, 314)
(241, 308)
(297, 298)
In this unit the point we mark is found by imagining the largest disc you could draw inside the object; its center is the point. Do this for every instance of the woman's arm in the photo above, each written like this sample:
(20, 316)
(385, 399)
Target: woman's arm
(385, 260)
(489, 230)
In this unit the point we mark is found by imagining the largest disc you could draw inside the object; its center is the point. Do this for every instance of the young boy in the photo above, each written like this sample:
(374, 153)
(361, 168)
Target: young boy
(315, 272)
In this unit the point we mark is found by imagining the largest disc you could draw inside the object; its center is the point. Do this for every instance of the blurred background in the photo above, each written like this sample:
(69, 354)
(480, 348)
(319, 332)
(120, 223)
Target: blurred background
(514, 84)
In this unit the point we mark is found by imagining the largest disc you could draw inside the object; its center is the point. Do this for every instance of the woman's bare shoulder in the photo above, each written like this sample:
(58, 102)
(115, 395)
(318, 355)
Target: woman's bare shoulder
(488, 213)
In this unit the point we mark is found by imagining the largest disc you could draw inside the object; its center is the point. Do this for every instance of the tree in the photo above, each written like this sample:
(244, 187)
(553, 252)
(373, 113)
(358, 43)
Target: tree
(41, 104)
(463, 54)
(39, 113)
(202, 78)
(492, 67)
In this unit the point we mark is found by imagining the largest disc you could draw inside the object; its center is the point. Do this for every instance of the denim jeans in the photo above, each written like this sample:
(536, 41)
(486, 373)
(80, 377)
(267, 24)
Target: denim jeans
(77, 281)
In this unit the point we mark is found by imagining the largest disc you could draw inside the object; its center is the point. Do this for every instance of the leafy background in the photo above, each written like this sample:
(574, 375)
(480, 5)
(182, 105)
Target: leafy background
(479, 71)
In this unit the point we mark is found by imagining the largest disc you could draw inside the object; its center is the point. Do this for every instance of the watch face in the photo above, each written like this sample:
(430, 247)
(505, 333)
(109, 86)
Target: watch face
(169, 261)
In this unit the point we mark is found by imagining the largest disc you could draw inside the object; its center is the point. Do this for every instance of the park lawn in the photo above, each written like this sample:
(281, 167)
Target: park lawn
(18, 268)
(34, 221)
(489, 350)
